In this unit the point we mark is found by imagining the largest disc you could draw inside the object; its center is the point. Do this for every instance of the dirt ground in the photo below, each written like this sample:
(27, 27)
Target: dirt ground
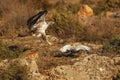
(49, 55)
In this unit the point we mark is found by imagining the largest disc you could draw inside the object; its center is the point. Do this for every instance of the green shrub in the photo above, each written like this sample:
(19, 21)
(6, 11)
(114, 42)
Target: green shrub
(113, 45)
(115, 40)
(7, 52)
(66, 25)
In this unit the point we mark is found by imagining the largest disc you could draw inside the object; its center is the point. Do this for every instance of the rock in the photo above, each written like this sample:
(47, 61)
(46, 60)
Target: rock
(84, 15)
(17, 65)
(29, 55)
(91, 67)
(87, 67)
(19, 61)
(115, 14)
(37, 76)
(109, 14)
(68, 73)
(33, 71)
(33, 67)
(85, 10)
(4, 63)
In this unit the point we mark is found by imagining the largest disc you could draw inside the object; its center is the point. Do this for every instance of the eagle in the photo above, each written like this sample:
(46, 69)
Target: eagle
(38, 25)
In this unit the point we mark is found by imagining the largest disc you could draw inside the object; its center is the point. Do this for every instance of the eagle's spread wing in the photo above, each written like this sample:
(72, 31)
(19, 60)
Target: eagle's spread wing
(39, 16)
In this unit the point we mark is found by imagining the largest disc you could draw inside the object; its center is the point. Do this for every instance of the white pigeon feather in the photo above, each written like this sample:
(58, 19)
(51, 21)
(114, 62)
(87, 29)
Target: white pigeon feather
(82, 47)
(70, 48)
(66, 48)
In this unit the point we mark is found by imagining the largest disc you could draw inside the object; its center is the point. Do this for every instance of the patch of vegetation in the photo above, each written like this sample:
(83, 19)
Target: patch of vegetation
(15, 21)
(106, 5)
(113, 45)
(74, 8)
(101, 30)
(9, 52)
(66, 26)
(116, 40)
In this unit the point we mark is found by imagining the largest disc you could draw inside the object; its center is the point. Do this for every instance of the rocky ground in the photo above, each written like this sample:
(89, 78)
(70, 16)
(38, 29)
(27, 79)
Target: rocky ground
(31, 58)
(51, 64)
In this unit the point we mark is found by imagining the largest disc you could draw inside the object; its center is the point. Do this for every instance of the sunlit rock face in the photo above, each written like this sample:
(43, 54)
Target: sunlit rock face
(91, 67)
(85, 10)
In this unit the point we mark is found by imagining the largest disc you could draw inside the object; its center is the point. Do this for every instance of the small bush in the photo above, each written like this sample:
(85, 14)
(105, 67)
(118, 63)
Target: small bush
(115, 41)
(113, 45)
(66, 26)
(6, 52)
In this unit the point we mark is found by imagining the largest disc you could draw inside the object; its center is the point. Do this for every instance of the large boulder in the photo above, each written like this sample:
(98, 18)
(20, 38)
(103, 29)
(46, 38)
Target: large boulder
(20, 68)
(91, 67)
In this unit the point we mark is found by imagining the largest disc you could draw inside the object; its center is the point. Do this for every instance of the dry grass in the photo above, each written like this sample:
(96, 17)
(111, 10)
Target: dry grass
(14, 14)
(107, 5)
(67, 26)
(101, 30)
